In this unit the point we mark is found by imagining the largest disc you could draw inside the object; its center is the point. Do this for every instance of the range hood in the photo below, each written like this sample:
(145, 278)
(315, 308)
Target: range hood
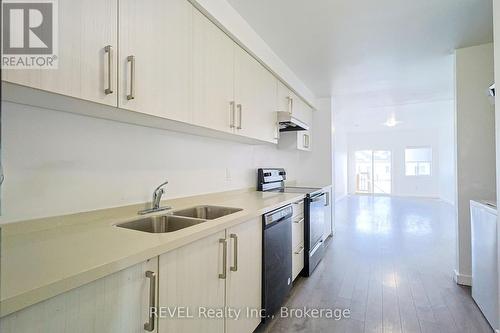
(288, 123)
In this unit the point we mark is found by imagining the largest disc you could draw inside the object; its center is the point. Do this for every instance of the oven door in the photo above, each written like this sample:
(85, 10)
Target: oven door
(317, 204)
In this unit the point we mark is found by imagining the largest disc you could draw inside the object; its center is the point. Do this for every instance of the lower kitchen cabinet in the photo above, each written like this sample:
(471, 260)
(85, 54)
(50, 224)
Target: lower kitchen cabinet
(195, 286)
(190, 281)
(118, 303)
(329, 214)
(297, 238)
(217, 273)
(244, 279)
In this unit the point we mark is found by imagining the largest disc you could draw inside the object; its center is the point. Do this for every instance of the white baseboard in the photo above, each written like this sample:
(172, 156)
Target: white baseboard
(462, 279)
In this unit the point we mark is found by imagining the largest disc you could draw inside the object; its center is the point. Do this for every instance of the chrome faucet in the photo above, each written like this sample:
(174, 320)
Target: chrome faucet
(157, 194)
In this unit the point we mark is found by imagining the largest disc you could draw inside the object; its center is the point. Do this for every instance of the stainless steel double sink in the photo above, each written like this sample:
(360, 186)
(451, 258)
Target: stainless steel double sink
(178, 219)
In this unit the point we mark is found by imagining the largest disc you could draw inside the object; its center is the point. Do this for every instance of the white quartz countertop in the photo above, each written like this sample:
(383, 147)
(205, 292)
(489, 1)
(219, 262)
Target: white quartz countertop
(45, 257)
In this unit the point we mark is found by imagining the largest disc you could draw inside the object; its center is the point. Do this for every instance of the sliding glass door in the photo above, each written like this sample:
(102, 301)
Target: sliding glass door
(373, 171)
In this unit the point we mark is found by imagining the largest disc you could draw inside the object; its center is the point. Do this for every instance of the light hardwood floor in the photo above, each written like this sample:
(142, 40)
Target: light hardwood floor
(391, 264)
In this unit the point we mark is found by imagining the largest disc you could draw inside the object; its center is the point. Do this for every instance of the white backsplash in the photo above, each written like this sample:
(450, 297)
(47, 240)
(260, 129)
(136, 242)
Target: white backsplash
(58, 163)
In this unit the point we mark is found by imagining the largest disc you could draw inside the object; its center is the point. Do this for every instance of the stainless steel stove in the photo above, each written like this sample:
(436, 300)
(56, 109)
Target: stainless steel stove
(315, 201)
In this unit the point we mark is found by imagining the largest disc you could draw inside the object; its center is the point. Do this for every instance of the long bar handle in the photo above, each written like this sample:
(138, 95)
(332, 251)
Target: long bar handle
(290, 104)
(239, 107)
(306, 140)
(300, 251)
(131, 60)
(150, 325)
(298, 221)
(109, 51)
(223, 241)
(234, 268)
(232, 114)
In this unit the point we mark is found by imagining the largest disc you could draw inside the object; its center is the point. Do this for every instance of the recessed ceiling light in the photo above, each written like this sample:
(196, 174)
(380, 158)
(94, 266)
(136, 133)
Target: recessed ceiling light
(391, 121)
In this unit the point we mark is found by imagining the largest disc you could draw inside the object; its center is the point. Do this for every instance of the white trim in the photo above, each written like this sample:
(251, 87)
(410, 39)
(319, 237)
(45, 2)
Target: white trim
(409, 196)
(462, 279)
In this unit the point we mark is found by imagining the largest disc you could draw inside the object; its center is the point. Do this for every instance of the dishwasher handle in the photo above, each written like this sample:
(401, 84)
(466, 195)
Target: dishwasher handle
(318, 197)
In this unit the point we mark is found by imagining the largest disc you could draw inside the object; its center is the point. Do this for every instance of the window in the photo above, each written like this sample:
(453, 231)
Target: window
(418, 161)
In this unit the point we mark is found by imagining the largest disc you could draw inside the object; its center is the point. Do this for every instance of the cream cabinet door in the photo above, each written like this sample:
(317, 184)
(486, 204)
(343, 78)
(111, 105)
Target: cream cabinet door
(118, 303)
(301, 110)
(244, 282)
(255, 96)
(190, 286)
(304, 141)
(155, 62)
(213, 75)
(283, 98)
(85, 29)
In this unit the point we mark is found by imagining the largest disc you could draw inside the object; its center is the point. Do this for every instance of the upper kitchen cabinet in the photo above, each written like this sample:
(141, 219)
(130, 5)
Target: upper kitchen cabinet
(255, 97)
(155, 62)
(87, 48)
(213, 75)
(288, 101)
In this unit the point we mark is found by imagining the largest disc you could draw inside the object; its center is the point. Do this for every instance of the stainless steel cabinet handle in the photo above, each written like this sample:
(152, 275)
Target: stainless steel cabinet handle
(289, 100)
(239, 107)
(291, 105)
(109, 50)
(299, 221)
(150, 325)
(306, 140)
(131, 60)
(327, 201)
(300, 251)
(224, 258)
(232, 114)
(234, 268)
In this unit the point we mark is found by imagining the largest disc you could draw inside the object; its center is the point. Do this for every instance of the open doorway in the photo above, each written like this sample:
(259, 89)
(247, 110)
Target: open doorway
(373, 171)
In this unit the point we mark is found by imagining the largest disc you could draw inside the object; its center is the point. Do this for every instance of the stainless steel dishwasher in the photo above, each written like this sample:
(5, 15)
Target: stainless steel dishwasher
(276, 259)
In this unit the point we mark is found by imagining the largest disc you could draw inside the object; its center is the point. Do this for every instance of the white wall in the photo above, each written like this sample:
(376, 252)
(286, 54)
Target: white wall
(496, 23)
(396, 141)
(476, 168)
(447, 159)
(340, 154)
(421, 124)
(57, 163)
(318, 163)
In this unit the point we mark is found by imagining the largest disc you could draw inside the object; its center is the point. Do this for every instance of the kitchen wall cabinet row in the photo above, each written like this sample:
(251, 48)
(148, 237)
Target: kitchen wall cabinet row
(221, 271)
(163, 58)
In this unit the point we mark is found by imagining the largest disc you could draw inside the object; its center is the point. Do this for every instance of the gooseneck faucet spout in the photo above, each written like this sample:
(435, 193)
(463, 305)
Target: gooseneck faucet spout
(157, 194)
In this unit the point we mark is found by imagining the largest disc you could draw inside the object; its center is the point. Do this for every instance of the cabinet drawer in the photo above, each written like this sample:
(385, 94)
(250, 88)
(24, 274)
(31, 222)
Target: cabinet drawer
(298, 209)
(297, 232)
(297, 260)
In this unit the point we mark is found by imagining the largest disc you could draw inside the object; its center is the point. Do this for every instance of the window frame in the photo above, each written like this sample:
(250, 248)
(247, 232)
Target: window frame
(418, 162)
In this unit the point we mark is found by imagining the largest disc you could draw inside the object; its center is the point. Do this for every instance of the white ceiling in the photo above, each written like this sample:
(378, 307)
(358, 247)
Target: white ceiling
(371, 53)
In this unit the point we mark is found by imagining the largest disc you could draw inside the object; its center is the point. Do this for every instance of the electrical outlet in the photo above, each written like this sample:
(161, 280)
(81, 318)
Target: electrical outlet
(228, 175)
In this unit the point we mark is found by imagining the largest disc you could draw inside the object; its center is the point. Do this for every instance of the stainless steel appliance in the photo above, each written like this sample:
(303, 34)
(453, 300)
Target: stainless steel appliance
(288, 123)
(276, 259)
(273, 180)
